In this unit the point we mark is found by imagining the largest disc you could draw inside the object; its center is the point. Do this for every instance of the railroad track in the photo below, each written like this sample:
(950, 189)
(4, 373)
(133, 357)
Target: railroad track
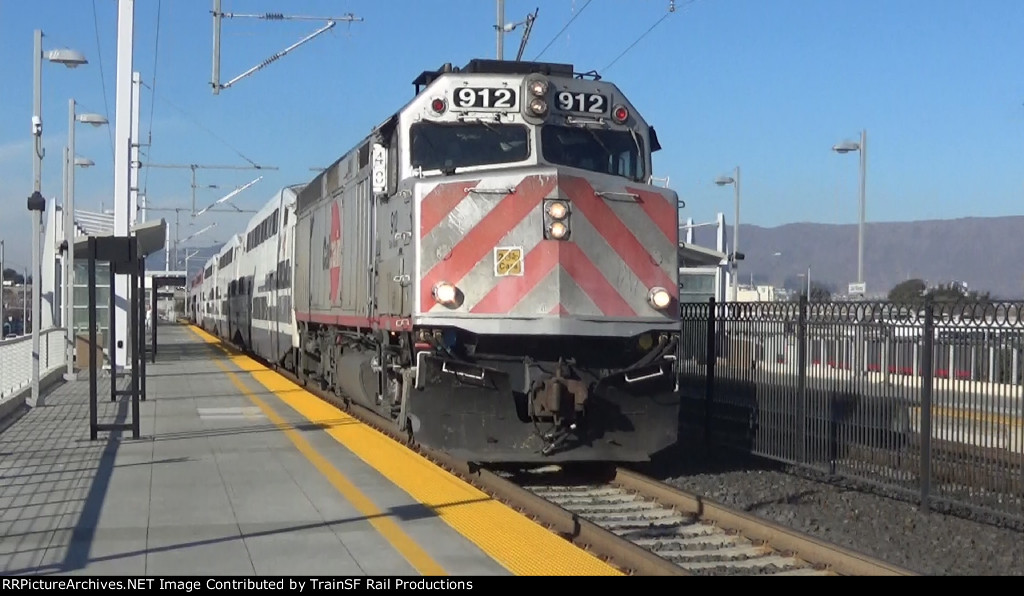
(636, 523)
(695, 536)
(699, 547)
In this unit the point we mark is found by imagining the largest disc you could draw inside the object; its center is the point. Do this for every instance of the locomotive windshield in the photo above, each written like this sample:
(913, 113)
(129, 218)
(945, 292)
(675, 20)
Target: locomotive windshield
(447, 146)
(615, 152)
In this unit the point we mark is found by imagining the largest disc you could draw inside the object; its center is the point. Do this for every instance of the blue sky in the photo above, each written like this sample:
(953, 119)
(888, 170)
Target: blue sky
(769, 86)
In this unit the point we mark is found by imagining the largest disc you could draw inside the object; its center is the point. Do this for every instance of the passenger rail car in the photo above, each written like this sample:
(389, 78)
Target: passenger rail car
(228, 305)
(207, 299)
(265, 279)
(491, 268)
(193, 302)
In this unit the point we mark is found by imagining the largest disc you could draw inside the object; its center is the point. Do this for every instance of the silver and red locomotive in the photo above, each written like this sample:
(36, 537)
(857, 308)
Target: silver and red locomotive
(493, 269)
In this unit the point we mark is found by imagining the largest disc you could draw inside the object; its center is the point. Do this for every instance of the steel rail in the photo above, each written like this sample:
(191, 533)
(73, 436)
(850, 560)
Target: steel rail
(802, 546)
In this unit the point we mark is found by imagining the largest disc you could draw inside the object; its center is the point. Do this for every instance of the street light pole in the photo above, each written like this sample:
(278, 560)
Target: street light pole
(734, 261)
(187, 257)
(36, 206)
(863, 203)
(859, 355)
(861, 147)
(69, 238)
(34, 198)
(72, 162)
(37, 110)
(501, 29)
(736, 240)
(36, 202)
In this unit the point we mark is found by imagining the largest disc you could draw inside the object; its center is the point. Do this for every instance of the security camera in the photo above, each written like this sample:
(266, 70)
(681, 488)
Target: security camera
(37, 125)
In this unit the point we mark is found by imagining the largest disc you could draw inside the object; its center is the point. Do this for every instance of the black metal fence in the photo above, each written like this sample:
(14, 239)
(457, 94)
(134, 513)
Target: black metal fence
(925, 399)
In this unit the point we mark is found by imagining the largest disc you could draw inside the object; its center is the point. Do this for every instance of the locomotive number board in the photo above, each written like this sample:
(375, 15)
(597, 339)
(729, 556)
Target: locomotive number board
(586, 103)
(487, 98)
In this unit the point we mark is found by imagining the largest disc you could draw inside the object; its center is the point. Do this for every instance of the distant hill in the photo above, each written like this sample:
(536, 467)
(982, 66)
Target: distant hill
(984, 253)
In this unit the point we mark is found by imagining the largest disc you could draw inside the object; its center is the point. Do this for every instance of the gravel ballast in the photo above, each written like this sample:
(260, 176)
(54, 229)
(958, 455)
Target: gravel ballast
(860, 518)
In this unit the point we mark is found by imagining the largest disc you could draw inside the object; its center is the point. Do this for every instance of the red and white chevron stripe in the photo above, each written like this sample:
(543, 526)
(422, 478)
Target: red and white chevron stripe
(620, 246)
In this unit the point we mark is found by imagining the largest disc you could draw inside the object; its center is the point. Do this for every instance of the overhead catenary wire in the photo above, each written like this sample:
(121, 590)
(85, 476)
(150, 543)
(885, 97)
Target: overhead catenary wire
(152, 96)
(671, 9)
(562, 30)
(202, 126)
(103, 79)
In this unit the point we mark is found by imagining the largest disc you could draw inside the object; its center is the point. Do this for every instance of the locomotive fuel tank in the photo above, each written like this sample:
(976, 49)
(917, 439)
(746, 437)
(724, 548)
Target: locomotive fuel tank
(356, 375)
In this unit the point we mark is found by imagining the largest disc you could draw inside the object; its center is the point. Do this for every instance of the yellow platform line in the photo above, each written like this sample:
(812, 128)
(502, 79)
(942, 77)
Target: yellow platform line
(521, 545)
(976, 416)
(388, 529)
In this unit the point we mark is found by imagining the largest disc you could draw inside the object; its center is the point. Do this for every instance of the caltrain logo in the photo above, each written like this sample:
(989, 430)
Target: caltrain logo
(332, 251)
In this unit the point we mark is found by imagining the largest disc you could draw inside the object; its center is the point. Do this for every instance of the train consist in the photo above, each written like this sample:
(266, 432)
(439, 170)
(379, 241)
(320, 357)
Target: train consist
(490, 268)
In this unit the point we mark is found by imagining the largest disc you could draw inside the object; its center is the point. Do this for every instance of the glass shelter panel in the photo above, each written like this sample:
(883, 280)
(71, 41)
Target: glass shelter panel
(80, 318)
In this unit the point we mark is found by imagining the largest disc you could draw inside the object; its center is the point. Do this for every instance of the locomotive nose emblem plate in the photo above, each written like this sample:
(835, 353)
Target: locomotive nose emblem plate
(508, 261)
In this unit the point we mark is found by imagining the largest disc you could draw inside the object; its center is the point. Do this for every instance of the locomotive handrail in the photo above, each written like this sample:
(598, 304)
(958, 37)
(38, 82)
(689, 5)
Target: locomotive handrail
(491, 191)
(609, 194)
(585, 121)
(658, 373)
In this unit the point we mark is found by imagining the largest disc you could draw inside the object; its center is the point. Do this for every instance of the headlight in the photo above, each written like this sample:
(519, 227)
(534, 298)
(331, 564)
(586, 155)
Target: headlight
(538, 107)
(444, 293)
(557, 210)
(558, 230)
(538, 87)
(659, 298)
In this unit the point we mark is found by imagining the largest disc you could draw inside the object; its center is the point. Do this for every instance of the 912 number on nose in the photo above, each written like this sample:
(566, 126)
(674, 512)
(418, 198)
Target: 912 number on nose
(588, 103)
(500, 98)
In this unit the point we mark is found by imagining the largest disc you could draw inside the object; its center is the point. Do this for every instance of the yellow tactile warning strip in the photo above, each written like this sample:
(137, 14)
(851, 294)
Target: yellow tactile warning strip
(388, 529)
(519, 544)
(978, 417)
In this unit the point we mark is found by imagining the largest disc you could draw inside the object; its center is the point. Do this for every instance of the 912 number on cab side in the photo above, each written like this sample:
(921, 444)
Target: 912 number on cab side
(588, 103)
(495, 98)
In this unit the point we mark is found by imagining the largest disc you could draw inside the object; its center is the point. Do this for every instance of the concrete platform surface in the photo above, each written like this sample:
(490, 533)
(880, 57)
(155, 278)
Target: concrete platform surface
(239, 473)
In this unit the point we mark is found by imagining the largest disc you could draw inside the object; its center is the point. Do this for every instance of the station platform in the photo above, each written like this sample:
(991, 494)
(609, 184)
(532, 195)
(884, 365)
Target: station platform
(239, 471)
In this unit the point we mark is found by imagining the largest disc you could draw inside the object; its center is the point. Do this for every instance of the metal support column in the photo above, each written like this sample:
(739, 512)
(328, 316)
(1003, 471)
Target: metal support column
(112, 250)
(153, 306)
(140, 328)
(93, 365)
(802, 358)
(122, 163)
(112, 331)
(927, 386)
(711, 356)
(134, 344)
